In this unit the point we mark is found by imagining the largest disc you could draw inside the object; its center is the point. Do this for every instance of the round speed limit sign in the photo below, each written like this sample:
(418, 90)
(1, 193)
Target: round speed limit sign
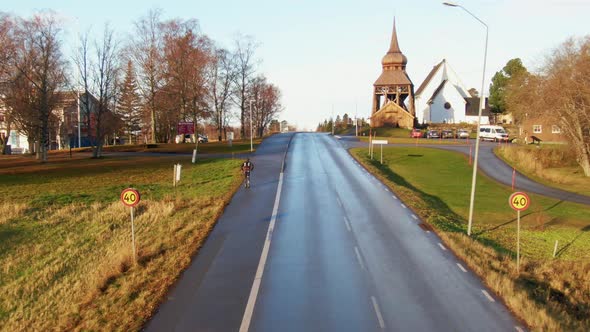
(130, 197)
(519, 201)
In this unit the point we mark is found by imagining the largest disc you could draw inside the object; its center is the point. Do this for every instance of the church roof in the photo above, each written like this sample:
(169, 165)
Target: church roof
(429, 78)
(392, 77)
(472, 107)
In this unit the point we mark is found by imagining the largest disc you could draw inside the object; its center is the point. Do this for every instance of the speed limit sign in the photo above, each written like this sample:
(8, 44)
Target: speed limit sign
(519, 201)
(130, 197)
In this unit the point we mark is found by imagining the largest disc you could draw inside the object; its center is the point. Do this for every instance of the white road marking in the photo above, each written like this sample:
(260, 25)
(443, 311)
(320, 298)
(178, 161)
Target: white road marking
(442, 247)
(387, 189)
(519, 329)
(488, 295)
(404, 206)
(428, 232)
(378, 312)
(347, 224)
(247, 318)
(339, 202)
(358, 257)
(394, 197)
(414, 216)
(461, 267)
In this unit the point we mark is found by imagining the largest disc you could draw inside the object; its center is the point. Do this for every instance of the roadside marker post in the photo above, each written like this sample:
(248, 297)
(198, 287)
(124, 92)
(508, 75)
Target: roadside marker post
(130, 197)
(518, 201)
(470, 149)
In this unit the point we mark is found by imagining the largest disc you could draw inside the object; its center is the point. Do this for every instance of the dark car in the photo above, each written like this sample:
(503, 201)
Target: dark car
(433, 134)
(416, 133)
(447, 134)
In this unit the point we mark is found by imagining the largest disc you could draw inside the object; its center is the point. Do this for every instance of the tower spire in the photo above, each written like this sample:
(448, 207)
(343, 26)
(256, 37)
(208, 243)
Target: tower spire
(394, 46)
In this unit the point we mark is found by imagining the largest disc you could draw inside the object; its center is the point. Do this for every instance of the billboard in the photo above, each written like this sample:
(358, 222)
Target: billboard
(185, 128)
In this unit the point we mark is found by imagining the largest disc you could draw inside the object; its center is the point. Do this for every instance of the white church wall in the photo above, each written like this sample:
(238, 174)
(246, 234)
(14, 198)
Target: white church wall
(455, 114)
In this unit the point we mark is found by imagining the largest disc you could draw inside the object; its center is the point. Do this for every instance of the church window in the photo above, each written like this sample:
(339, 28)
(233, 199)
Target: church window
(555, 129)
(537, 129)
(447, 105)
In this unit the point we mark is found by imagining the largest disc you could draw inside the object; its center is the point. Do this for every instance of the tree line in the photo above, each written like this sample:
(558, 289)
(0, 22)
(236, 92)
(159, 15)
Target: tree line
(340, 124)
(163, 73)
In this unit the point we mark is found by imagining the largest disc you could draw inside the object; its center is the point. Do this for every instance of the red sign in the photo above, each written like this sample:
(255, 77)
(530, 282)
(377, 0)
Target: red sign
(130, 197)
(519, 201)
(186, 128)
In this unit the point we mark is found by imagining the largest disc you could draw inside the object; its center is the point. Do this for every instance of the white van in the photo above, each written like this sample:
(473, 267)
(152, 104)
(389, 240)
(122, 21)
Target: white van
(493, 133)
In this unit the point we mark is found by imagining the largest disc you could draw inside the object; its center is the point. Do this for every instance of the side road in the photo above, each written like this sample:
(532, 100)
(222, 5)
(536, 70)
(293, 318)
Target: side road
(493, 167)
(225, 266)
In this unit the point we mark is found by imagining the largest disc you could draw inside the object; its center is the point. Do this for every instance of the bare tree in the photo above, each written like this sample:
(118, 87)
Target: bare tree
(147, 52)
(99, 80)
(245, 67)
(267, 105)
(187, 55)
(560, 93)
(39, 61)
(222, 74)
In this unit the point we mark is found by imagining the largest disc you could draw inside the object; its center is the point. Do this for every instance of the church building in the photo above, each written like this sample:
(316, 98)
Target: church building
(393, 92)
(442, 98)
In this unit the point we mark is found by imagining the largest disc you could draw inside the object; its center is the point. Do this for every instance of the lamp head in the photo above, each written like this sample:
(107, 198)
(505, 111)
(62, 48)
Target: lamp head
(450, 4)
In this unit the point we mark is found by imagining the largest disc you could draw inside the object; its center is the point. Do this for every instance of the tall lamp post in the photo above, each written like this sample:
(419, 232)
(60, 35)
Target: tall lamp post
(481, 107)
(251, 144)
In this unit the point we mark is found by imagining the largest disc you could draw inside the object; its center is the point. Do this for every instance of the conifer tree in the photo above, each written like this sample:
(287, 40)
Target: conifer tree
(129, 103)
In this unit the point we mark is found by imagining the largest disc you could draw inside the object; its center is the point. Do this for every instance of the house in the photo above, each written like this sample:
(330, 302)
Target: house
(18, 141)
(545, 129)
(442, 98)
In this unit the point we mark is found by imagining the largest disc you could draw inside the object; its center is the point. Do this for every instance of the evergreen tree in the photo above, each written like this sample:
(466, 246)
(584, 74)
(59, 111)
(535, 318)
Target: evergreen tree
(500, 81)
(129, 103)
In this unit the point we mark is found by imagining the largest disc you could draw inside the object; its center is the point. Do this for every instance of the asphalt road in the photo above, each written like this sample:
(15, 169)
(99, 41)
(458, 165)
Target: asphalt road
(495, 168)
(346, 255)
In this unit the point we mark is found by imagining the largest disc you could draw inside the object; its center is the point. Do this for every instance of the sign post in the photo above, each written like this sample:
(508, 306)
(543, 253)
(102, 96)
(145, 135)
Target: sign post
(518, 201)
(380, 142)
(130, 197)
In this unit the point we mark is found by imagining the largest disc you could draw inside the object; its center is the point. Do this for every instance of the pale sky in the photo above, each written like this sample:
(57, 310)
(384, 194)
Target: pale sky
(327, 54)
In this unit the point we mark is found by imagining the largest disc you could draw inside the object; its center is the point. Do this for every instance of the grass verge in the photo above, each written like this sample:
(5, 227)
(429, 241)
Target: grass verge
(552, 165)
(65, 242)
(548, 294)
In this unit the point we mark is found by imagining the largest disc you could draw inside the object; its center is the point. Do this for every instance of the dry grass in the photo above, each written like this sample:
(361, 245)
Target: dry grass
(549, 295)
(554, 165)
(69, 266)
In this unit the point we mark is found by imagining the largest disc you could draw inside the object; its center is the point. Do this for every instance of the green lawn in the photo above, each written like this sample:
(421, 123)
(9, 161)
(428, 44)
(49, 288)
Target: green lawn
(65, 249)
(443, 180)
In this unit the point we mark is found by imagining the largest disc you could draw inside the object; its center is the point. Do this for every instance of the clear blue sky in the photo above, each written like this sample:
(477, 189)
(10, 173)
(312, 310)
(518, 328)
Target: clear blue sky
(327, 54)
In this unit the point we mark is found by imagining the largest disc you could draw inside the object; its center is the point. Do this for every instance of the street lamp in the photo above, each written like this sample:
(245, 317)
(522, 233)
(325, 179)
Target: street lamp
(251, 145)
(481, 106)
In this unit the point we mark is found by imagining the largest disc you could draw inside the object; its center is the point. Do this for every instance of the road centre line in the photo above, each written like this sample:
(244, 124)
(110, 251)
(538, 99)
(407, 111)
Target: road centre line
(461, 267)
(249, 311)
(442, 247)
(488, 295)
(358, 257)
(378, 312)
(347, 224)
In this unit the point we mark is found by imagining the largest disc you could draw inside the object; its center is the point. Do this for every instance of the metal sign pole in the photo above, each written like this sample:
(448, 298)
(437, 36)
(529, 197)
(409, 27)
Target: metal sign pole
(518, 241)
(133, 237)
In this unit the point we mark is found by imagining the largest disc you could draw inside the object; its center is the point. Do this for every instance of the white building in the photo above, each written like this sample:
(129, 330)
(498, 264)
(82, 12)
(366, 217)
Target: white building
(442, 98)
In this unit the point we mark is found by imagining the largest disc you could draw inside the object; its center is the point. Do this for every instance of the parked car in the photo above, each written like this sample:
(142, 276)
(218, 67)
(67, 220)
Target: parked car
(203, 139)
(447, 134)
(433, 134)
(493, 133)
(462, 133)
(416, 133)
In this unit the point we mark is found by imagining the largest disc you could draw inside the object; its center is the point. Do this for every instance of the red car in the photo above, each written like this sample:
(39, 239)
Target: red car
(416, 133)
